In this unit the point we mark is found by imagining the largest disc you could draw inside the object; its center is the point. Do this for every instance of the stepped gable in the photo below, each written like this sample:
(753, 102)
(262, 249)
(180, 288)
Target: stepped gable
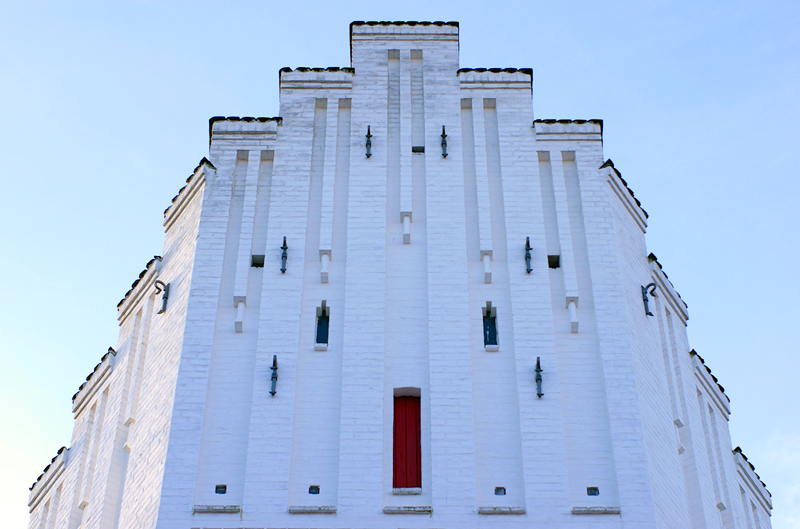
(579, 122)
(387, 27)
(141, 275)
(304, 76)
(60, 451)
(111, 351)
(722, 389)
(214, 119)
(738, 450)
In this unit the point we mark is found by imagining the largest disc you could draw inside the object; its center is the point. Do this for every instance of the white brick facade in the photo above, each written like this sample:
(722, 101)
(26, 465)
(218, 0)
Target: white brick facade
(404, 249)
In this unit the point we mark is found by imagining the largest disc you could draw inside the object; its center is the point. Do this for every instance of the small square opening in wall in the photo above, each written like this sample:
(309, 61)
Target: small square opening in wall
(221, 489)
(499, 491)
(592, 491)
(257, 261)
(313, 489)
(554, 261)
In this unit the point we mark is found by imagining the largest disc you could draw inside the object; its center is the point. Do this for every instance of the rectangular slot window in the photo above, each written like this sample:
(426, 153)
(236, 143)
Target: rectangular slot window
(323, 318)
(489, 326)
(554, 261)
(418, 149)
(407, 449)
(257, 261)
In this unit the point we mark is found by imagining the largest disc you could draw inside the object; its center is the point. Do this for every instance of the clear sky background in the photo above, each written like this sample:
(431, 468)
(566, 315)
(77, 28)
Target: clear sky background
(105, 109)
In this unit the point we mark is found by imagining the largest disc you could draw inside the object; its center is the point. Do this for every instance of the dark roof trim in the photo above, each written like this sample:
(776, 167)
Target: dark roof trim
(141, 275)
(194, 172)
(400, 23)
(111, 351)
(346, 69)
(579, 122)
(738, 450)
(277, 119)
(694, 353)
(60, 450)
(528, 71)
(652, 258)
(609, 163)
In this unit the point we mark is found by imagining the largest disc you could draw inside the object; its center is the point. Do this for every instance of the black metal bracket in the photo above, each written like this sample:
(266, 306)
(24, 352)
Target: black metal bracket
(284, 255)
(528, 255)
(274, 369)
(162, 287)
(538, 378)
(369, 142)
(444, 143)
(651, 288)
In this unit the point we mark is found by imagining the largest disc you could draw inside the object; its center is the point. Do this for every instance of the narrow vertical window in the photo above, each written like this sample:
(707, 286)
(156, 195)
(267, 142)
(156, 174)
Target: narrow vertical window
(323, 319)
(490, 327)
(407, 450)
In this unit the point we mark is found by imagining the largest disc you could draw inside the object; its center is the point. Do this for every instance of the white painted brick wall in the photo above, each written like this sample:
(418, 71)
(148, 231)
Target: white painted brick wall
(404, 315)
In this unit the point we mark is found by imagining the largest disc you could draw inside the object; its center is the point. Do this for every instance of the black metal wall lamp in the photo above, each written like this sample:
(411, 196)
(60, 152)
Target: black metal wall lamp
(538, 378)
(528, 249)
(274, 377)
(651, 289)
(284, 255)
(162, 287)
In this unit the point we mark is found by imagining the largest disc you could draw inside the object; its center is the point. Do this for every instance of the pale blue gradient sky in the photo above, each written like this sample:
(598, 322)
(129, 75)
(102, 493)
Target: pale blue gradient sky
(105, 113)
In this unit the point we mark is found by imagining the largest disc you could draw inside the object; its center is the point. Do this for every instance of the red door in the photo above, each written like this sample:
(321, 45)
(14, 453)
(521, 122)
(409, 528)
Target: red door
(407, 451)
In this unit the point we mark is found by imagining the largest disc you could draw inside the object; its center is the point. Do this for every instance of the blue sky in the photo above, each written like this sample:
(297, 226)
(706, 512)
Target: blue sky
(105, 112)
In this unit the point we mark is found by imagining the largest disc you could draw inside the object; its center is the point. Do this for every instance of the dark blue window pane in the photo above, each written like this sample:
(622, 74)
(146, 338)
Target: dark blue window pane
(489, 330)
(322, 329)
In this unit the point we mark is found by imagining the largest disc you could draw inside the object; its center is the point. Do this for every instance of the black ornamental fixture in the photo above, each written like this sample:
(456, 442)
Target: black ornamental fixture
(538, 378)
(651, 289)
(444, 143)
(528, 255)
(274, 369)
(162, 287)
(369, 142)
(283, 256)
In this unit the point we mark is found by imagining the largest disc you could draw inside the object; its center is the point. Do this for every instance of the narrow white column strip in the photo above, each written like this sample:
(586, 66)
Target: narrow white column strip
(482, 186)
(243, 259)
(328, 180)
(565, 238)
(405, 144)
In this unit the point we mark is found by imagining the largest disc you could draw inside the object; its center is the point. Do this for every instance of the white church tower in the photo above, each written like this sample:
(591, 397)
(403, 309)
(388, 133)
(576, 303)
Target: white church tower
(403, 303)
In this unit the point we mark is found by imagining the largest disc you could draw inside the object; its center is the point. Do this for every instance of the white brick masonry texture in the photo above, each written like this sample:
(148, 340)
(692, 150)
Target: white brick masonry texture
(184, 406)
